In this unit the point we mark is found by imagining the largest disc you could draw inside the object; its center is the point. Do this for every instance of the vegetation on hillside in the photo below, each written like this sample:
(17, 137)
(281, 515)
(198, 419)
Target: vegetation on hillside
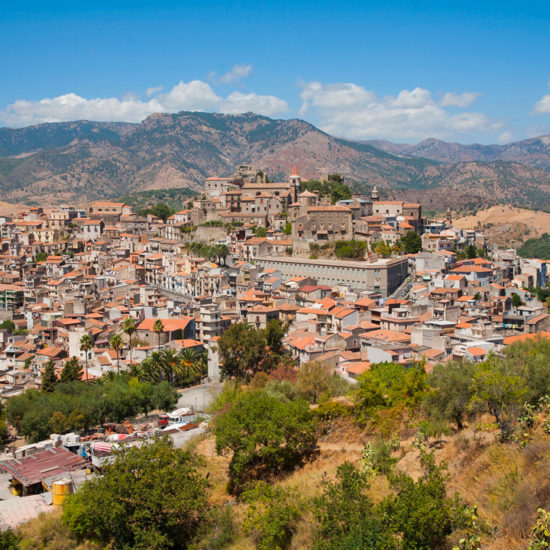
(76, 405)
(153, 496)
(355, 250)
(334, 187)
(175, 198)
(536, 248)
(403, 459)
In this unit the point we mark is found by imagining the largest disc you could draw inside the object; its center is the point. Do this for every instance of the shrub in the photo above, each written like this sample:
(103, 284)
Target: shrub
(152, 496)
(271, 516)
(267, 436)
(330, 410)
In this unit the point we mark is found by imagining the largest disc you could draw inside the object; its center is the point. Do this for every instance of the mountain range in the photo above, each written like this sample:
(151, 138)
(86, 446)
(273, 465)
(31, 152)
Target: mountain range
(533, 152)
(80, 161)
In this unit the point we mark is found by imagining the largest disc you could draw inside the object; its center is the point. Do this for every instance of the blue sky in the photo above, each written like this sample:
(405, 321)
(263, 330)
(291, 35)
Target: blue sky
(402, 71)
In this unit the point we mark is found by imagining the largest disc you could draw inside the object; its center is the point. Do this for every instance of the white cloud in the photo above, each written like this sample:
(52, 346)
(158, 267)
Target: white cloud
(237, 73)
(153, 90)
(73, 107)
(237, 102)
(455, 99)
(505, 137)
(190, 96)
(185, 96)
(333, 97)
(542, 107)
(350, 110)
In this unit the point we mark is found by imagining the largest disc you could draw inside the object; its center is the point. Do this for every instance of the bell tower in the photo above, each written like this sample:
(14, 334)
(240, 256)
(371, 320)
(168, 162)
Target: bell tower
(295, 183)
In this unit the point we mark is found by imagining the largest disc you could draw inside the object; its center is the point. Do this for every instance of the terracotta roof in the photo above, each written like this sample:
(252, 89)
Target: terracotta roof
(476, 351)
(523, 337)
(471, 269)
(169, 325)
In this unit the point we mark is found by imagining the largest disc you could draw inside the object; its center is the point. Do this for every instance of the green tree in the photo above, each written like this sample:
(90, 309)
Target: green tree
(191, 362)
(244, 351)
(111, 398)
(271, 516)
(160, 210)
(220, 251)
(71, 372)
(8, 325)
(345, 518)
(536, 248)
(49, 378)
(260, 231)
(350, 249)
(86, 344)
(333, 187)
(516, 300)
(41, 257)
(287, 230)
(471, 251)
(116, 344)
(274, 333)
(313, 380)
(420, 511)
(158, 327)
(153, 496)
(498, 389)
(129, 328)
(382, 249)
(451, 392)
(388, 385)
(266, 436)
(411, 242)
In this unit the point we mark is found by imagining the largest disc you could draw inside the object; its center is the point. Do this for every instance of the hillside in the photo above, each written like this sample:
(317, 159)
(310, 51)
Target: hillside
(507, 226)
(533, 152)
(80, 161)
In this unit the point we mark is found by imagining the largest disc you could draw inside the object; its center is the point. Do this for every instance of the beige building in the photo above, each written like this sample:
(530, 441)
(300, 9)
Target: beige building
(323, 223)
(383, 275)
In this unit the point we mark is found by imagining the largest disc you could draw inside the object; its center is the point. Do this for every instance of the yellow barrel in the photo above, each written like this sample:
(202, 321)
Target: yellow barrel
(60, 489)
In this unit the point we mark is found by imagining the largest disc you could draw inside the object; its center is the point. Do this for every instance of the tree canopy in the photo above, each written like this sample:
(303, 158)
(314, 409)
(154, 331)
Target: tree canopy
(350, 249)
(77, 405)
(333, 187)
(266, 436)
(245, 350)
(411, 242)
(152, 496)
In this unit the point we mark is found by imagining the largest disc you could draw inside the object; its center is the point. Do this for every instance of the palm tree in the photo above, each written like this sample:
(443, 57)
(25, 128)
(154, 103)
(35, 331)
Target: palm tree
(151, 368)
(191, 362)
(158, 327)
(222, 251)
(171, 364)
(116, 344)
(129, 328)
(86, 344)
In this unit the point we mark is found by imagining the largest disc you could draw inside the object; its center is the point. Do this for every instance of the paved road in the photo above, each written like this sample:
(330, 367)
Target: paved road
(199, 397)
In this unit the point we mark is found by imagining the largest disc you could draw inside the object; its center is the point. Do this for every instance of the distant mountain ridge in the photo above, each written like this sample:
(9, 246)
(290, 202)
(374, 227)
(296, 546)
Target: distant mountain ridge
(82, 160)
(532, 152)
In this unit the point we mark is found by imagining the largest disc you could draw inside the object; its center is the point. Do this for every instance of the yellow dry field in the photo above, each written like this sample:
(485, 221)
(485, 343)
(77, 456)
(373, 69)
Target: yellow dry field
(537, 221)
(9, 209)
(507, 225)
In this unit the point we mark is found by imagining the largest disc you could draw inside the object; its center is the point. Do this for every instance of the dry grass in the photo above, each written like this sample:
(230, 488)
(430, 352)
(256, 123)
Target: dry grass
(506, 482)
(47, 531)
(507, 225)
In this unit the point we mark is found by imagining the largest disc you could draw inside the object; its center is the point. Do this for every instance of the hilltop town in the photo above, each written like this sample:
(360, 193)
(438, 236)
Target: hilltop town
(350, 281)
(252, 250)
